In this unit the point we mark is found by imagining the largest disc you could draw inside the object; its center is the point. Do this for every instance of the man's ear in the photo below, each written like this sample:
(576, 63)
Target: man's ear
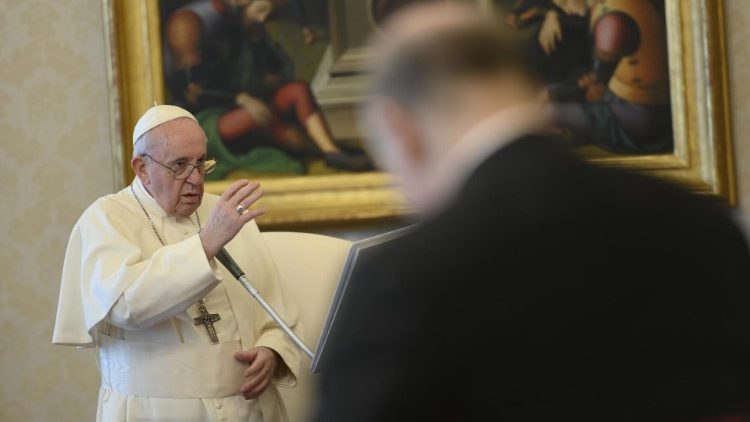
(139, 166)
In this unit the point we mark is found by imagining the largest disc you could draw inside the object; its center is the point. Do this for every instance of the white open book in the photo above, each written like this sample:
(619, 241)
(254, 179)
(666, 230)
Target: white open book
(359, 252)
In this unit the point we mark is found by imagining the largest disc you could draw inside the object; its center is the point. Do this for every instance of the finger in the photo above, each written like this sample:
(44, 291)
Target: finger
(243, 193)
(550, 43)
(255, 371)
(259, 389)
(251, 214)
(248, 387)
(233, 188)
(256, 387)
(256, 367)
(252, 382)
(545, 47)
(249, 200)
(247, 356)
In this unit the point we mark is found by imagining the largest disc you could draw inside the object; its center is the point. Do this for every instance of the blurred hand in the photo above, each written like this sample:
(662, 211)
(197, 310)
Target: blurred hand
(263, 363)
(225, 221)
(550, 33)
(255, 107)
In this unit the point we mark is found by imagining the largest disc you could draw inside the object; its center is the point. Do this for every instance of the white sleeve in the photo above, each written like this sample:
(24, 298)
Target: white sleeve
(157, 294)
(137, 291)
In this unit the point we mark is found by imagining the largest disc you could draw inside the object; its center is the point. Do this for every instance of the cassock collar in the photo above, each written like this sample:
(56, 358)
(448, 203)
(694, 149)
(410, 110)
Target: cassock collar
(148, 201)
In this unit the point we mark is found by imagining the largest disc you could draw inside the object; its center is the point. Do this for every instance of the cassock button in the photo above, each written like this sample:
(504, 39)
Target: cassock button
(219, 406)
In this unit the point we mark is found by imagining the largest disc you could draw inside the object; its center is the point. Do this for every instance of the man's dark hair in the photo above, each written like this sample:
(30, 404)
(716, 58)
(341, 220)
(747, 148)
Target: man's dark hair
(420, 66)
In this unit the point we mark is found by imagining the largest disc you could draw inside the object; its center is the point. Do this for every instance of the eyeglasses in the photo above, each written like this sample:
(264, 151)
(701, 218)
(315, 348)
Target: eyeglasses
(182, 170)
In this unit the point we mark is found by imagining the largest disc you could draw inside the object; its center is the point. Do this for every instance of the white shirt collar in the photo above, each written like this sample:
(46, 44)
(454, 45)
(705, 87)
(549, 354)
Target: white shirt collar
(148, 201)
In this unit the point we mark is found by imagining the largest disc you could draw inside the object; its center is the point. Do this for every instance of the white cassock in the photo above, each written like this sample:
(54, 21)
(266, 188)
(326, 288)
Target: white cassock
(135, 300)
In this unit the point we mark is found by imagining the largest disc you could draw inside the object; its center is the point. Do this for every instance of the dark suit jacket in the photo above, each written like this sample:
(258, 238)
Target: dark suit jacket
(550, 289)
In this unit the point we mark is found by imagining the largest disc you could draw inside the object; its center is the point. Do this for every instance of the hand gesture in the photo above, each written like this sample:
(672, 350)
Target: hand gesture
(230, 214)
(550, 33)
(255, 107)
(263, 363)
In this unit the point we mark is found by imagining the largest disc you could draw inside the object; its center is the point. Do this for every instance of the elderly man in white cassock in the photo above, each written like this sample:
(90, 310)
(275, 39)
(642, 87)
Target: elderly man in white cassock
(178, 338)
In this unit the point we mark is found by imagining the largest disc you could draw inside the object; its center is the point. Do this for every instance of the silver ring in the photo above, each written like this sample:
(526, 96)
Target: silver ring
(241, 209)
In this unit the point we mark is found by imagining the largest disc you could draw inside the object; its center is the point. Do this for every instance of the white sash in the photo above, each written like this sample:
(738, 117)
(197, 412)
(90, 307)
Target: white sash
(177, 371)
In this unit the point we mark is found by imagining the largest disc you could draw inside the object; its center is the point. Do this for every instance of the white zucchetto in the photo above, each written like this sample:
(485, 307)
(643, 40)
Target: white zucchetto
(157, 115)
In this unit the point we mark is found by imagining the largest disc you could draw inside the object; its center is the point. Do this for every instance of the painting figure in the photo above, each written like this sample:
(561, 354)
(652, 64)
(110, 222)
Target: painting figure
(560, 47)
(619, 100)
(223, 65)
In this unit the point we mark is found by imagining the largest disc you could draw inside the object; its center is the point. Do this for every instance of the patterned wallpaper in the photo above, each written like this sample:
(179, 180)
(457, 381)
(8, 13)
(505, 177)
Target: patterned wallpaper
(55, 159)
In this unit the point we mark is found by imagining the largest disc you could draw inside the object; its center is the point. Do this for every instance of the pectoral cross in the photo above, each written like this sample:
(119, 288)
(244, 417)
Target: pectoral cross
(208, 321)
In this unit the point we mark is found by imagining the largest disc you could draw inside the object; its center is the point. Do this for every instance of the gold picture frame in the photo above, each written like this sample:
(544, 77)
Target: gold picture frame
(702, 158)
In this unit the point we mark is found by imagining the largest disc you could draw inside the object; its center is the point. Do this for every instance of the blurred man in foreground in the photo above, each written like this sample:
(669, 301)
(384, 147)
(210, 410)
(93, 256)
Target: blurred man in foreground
(538, 287)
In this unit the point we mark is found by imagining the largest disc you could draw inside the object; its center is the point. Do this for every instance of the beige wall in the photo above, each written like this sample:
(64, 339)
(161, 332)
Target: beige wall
(55, 159)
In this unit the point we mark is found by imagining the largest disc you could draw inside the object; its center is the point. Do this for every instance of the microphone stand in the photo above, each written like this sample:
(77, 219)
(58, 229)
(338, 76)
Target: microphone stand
(224, 257)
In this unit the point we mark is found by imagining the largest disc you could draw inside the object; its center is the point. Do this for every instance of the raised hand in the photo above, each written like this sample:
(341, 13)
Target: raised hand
(230, 214)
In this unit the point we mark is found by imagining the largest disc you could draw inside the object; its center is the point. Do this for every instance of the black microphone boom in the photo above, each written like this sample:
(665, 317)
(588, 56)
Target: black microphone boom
(228, 262)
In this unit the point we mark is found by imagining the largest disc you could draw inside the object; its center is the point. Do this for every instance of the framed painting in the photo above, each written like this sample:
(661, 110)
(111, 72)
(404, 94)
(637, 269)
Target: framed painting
(659, 105)
(276, 84)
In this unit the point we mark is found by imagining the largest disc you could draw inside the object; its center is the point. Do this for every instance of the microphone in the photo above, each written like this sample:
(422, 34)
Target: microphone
(228, 262)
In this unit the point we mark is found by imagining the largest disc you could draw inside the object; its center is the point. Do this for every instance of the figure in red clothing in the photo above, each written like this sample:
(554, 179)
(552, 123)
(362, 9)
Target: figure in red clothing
(223, 66)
